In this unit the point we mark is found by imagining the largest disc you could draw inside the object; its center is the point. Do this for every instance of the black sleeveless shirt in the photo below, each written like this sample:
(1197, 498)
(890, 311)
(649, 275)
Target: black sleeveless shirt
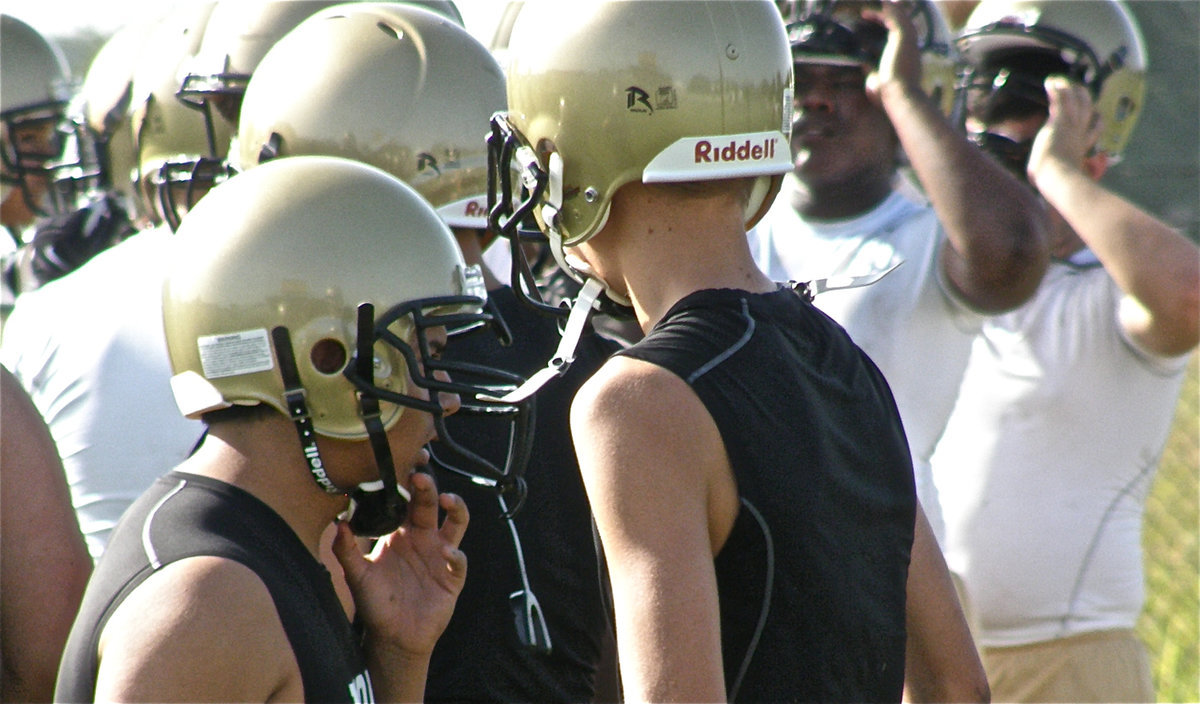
(479, 657)
(812, 577)
(185, 515)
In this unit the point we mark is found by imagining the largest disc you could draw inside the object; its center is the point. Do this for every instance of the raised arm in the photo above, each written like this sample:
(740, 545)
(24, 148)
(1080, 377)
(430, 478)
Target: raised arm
(1156, 267)
(995, 226)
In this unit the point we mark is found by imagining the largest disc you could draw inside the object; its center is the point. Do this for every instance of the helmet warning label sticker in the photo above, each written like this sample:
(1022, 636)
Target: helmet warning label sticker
(235, 353)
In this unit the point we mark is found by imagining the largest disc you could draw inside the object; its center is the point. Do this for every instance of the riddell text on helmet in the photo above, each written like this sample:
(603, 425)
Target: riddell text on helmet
(746, 151)
(475, 209)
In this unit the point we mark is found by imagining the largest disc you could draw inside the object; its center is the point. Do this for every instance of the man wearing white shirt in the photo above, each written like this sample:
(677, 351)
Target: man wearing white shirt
(1067, 401)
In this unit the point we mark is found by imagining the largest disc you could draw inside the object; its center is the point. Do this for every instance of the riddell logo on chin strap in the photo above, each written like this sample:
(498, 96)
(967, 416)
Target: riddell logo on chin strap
(746, 151)
(317, 468)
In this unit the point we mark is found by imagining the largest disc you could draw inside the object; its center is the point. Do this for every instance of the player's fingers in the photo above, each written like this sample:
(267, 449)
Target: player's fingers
(348, 553)
(423, 504)
(1068, 98)
(1056, 87)
(456, 562)
(457, 517)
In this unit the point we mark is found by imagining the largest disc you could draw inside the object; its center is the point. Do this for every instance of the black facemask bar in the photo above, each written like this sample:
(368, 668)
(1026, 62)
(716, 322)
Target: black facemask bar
(1022, 70)
(20, 165)
(197, 88)
(217, 94)
(178, 185)
(510, 215)
(823, 28)
(382, 510)
(510, 212)
(471, 382)
(208, 95)
(81, 173)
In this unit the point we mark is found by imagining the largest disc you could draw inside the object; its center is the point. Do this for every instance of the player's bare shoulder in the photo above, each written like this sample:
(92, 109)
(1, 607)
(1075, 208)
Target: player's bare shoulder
(636, 421)
(203, 628)
(632, 389)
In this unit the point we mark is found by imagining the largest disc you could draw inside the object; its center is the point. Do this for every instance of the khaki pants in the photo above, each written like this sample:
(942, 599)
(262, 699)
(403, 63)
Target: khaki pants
(1109, 666)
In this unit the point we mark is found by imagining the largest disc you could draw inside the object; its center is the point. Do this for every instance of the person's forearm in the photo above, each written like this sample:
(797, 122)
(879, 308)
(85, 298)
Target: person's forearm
(995, 225)
(397, 676)
(941, 663)
(1149, 260)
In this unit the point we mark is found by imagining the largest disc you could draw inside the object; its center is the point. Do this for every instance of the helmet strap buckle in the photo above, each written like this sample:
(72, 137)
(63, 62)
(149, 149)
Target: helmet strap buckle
(297, 405)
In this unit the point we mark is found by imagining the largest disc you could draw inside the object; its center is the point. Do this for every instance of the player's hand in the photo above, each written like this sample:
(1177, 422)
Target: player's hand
(901, 60)
(406, 589)
(1070, 132)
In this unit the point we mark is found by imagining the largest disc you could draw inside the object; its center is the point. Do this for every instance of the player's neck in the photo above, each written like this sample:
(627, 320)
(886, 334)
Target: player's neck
(669, 248)
(264, 458)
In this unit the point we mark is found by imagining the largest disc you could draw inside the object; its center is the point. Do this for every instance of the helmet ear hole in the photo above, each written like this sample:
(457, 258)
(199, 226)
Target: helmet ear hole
(328, 356)
(545, 146)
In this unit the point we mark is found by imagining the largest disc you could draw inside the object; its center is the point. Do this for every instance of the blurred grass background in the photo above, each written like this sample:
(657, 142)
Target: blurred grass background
(1170, 620)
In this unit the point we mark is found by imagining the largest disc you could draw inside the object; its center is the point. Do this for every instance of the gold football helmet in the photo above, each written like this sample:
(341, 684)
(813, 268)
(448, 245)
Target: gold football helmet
(98, 154)
(36, 88)
(201, 93)
(389, 84)
(601, 94)
(237, 37)
(309, 284)
(177, 157)
(401, 88)
(1013, 44)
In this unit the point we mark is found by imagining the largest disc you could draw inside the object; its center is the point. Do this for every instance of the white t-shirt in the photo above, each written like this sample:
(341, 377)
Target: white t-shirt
(1047, 460)
(916, 332)
(90, 349)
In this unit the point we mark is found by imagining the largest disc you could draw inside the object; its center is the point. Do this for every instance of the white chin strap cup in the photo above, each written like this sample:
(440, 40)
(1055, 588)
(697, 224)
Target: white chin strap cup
(378, 485)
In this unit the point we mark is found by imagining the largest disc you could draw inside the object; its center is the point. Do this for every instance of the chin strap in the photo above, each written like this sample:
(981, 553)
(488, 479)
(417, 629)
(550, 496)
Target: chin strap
(377, 507)
(811, 289)
(587, 301)
(293, 393)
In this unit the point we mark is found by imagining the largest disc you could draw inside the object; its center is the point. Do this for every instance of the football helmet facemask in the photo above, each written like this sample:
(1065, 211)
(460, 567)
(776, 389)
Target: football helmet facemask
(310, 284)
(236, 38)
(97, 154)
(178, 157)
(33, 104)
(1010, 46)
